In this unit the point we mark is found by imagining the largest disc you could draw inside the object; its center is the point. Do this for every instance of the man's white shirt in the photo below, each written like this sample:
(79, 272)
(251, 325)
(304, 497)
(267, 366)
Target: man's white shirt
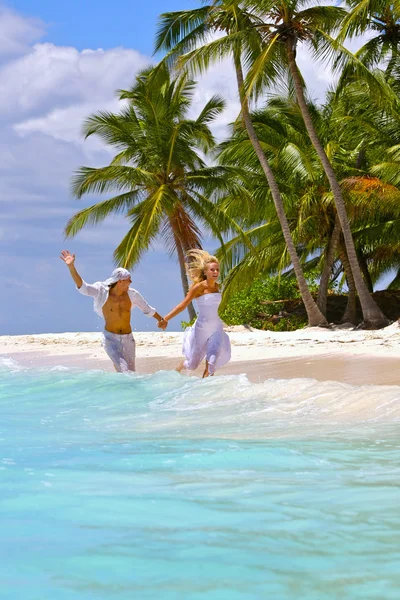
(100, 292)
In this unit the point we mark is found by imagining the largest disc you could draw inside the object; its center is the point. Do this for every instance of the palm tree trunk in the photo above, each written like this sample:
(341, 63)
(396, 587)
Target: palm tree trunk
(328, 264)
(365, 271)
(184, 278)
(350, 314)
(373, 317)
(315, 316)
(360, 158)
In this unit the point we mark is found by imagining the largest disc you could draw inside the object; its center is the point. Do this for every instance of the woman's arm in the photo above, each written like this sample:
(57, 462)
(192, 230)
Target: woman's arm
(193, 293)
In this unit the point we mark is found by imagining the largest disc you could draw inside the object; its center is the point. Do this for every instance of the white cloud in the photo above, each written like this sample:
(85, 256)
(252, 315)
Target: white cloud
(18, 283)
(50, 77)
(220, 79)
(17, 32)
(65, 124)
(62, 87)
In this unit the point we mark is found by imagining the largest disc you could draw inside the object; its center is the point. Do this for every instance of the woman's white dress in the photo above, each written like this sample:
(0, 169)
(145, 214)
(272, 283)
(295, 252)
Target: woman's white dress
(206, 338)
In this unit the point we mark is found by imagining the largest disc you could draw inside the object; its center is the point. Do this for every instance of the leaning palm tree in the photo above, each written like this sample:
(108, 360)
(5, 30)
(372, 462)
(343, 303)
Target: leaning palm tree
(308, 199)
(180, 34)
(285, 24)
(162, 182)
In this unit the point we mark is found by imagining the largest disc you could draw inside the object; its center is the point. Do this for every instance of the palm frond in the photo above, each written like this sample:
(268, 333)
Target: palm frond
(91, 180)
(146, 218)
(98, 212)
(211, 110)
(178, 25)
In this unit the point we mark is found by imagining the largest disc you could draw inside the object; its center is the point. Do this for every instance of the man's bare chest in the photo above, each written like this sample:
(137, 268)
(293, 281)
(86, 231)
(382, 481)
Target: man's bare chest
(118, 304)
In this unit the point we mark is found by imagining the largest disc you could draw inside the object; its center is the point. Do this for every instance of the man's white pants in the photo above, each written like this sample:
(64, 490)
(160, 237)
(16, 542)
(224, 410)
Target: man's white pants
(121, 349)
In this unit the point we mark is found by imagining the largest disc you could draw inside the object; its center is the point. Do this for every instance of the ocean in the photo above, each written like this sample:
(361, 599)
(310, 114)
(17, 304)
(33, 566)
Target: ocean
(169, 487)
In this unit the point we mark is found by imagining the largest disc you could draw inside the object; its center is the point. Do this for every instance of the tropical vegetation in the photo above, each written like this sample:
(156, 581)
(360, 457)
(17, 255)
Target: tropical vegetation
(162, 182)
(296, 192)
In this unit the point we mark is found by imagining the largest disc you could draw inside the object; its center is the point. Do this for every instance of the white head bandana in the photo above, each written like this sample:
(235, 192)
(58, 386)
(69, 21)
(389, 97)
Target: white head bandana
(117, 275)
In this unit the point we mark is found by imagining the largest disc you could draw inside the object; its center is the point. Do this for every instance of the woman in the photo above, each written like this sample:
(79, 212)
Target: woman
(206, 338)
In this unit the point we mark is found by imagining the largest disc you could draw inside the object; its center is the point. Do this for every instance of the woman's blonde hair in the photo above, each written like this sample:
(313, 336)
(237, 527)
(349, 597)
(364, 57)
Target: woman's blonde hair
(197, 261)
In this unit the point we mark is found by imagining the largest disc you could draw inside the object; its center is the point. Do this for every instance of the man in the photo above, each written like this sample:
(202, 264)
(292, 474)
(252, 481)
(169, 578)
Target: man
(114, 300)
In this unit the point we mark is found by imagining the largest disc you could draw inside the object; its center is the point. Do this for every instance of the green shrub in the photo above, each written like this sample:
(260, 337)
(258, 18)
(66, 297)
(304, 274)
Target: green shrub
(242, 307)
(245, 306)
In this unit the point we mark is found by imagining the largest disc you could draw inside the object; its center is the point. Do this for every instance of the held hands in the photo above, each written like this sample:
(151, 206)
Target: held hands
(162, 324)
(67, 257)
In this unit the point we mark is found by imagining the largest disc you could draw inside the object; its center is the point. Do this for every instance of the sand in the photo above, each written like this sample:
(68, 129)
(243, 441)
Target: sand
(352, 356)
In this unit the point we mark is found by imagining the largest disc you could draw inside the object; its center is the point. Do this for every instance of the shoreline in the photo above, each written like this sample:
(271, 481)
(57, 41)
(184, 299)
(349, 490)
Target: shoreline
(344, 368)
(356, 357)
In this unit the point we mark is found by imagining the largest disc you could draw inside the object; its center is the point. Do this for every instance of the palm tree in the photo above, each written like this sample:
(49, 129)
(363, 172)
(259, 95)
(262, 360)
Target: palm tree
(382, 18)
(162, 182)
(373, 205)
(361, 121)
(285, 23)
(180, 33)
(282, 134)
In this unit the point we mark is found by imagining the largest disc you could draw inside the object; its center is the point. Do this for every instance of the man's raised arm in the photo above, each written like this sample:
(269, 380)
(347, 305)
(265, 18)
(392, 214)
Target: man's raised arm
(69, 260)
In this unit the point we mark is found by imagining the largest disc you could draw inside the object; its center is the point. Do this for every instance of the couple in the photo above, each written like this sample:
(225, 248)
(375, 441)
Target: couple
(114, 300)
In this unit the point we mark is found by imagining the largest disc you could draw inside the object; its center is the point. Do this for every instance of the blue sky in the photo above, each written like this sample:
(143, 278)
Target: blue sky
(59, 63)
(99, 23)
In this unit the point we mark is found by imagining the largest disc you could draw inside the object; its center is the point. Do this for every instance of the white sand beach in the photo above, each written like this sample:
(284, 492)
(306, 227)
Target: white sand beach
(339, 354)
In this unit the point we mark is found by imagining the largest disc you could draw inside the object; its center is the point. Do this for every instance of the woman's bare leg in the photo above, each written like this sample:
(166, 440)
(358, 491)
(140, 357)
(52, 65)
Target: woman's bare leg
(206, 372)
(180, 366)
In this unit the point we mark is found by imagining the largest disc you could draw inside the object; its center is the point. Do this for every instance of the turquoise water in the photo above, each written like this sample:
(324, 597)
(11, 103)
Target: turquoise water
(168, 487)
